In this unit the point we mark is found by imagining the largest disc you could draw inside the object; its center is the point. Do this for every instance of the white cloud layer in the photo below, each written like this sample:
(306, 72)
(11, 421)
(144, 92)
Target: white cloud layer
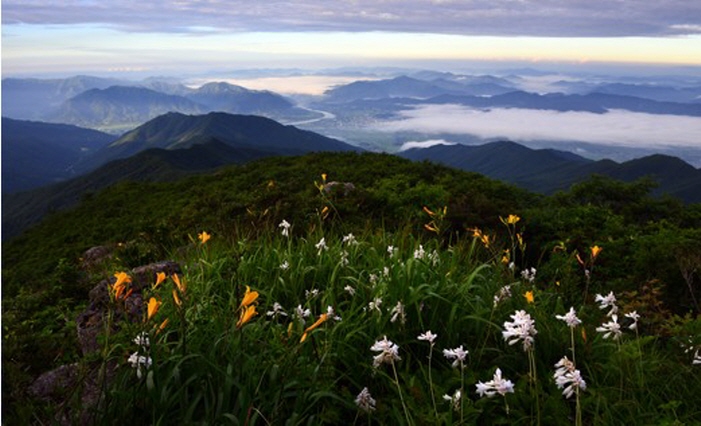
(572, 18)
(424, 144)
(617, 127)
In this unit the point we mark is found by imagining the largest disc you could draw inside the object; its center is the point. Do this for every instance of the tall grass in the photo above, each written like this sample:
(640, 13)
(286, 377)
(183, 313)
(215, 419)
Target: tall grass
(371, 286)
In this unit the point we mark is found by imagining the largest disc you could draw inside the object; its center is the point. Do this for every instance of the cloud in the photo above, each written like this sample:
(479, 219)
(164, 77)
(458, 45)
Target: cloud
(288, 85)
(424, 144)
(616, 127)
(574, 18)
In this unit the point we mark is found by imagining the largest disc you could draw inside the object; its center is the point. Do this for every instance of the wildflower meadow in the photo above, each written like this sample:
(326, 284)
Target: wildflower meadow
(324, 319)
(387, 329)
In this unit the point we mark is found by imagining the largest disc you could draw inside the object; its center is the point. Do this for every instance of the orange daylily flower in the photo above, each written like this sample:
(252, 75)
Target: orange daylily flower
(246, 315)
(485, 240)
(163, 325)
(176, 298)
(120, 285)
(511, 220)
(204, 236)
(595, 251)
(321, 320)
(181, 284)
(430, 227)
(160, 277)
(529, 296)
(477, 233)
(153, 306)
(248, 297)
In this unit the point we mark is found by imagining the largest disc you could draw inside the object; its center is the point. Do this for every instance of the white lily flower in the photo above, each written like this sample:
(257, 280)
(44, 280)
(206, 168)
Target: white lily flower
(398, 313)
(428, 336)
(365, 401)
(375, 305)
(498, 385)
(454, 399)
(568, 377)
(635, 316)
(521, 329)
(349, 240)
(570, 318)
(142, 340)
(137, 361)
(277, 311)
(285, 228)
(458, 356)
(321, 246)
(608, 301)
(419, 253)
(611, 328)
(301, 313)
(388, 352)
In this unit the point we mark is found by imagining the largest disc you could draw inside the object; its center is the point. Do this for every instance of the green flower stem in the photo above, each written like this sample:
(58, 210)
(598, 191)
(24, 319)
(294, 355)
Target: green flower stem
(401, 397)
(430, 382)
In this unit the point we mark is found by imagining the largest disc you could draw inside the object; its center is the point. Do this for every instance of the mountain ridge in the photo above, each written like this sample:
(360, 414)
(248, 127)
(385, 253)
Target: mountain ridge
(548, 171)
(176, 130)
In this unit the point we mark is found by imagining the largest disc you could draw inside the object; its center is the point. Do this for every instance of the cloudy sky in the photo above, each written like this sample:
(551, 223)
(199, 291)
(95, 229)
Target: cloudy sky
(169, 36)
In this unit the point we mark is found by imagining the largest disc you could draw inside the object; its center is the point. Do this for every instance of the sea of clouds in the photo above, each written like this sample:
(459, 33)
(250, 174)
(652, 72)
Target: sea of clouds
(615, 127)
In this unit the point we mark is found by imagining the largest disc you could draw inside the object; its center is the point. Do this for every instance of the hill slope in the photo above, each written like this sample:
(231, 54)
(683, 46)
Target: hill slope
(548, 171)
(175, 131)
(25, 209)
(167, 148)
(121, 107)
(36, 154)
(224, 97)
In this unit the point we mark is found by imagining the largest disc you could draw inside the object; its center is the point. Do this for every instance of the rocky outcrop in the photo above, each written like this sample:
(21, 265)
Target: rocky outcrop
(77, 388)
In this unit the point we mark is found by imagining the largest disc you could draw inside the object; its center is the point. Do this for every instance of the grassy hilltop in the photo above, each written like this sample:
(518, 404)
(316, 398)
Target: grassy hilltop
(301, 281)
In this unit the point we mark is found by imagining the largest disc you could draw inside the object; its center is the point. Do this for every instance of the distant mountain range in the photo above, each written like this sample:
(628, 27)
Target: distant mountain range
(593, 102)
(408, 87)
(234, 99)
(387, 96)
(116, 106)
(163, 129)
(547, 170)
(657, 92)
(121, 107)
(490, 92)
(33, 98)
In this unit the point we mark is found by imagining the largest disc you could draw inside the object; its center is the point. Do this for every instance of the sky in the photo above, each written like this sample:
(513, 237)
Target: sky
(169, 37)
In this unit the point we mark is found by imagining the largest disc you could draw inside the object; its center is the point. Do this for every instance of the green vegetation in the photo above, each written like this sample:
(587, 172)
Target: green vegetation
(432, 249)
